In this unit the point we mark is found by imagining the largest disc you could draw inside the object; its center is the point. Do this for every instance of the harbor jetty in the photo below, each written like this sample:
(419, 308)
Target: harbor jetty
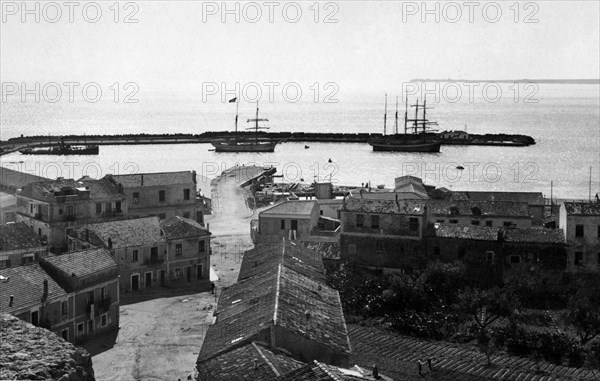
(23, 142)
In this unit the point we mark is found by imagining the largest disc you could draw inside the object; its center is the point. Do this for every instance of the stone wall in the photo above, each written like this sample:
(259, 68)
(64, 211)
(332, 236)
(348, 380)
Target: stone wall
(32, 353)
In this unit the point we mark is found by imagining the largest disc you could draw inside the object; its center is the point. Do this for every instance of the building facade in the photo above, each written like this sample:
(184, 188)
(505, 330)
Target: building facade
(19, 245)
(91, 279)
(480, 213)
(383, 233)
(164, 195)
(581, 224)
(188, 250)
(293, 220)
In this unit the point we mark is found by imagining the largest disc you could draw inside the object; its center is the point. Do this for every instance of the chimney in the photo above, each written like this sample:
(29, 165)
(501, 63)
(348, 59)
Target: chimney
(397, 203)
(11, 301)
(194, 176)
(142, 180)
(45, 294)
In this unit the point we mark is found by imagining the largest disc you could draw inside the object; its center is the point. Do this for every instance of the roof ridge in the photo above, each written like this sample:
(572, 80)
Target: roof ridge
(320, 366)
(265, 359)
(277, 294)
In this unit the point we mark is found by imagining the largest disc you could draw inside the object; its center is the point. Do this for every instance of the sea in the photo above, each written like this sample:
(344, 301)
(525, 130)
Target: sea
(564, 120)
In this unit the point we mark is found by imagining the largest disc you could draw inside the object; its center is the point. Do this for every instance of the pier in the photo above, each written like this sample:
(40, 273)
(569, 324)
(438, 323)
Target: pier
(16, 144)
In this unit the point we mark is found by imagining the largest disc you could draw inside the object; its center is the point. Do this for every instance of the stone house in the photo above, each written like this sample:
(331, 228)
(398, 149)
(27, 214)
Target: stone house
(188, 250)
(164, 194)
(293, 220)
(138, 246)
(480, 213)
(54, 208)
(581, 224)
(535, 200)
(383, 233)
(30, 293)
(91, 278)
(20, 245)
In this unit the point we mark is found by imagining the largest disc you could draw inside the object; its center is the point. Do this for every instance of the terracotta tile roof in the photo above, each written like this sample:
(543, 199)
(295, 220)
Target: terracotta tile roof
(318, 371)
(397, 357)
(104, 188)
(480, 233)
(291, 207)
(478, 208)
(250, 362)
(327, 250)
(411, 184)
(26, 284)
(409, 207)
(268, 257)
(279, 296)
(82, 263)
(534, 235)
(156, 179)
(531, 198)
(178, 227)
(583, 209)
(125, 233)
(18, 236)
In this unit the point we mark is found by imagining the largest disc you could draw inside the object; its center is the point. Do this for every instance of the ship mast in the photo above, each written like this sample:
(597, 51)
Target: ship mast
(396, 121)
(406, 116)
(237, 109)
(385, 117)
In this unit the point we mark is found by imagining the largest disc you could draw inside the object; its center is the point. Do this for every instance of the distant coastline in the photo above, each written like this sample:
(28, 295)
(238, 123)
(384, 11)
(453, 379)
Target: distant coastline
(550, 81)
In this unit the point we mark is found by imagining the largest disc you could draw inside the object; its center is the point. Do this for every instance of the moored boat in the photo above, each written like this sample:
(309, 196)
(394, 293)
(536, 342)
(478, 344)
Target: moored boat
(63, 149)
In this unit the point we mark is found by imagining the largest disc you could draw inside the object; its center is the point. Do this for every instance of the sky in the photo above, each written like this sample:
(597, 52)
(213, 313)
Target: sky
(367, 45)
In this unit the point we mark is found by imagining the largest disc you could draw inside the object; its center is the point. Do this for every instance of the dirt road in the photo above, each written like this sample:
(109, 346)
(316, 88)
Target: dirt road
(160, 339)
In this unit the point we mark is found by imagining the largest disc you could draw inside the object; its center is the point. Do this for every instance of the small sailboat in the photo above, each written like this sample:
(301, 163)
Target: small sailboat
(245, 143)
(419, 139)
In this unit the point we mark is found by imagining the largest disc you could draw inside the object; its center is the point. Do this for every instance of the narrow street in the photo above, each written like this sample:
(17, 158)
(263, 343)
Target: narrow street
(159, 339)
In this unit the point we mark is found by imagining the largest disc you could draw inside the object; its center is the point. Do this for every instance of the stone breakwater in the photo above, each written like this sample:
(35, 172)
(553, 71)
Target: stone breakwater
(32, 353)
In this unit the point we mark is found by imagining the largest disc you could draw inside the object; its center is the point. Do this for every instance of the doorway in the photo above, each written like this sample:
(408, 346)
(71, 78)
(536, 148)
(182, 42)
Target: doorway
(162, 277)
(149, 279)
(199, 271)
(35, 318)
(135, 282)
(189, 273)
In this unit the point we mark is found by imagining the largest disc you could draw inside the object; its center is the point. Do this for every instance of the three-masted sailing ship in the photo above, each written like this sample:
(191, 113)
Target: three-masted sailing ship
(246, 143)
(417, 137)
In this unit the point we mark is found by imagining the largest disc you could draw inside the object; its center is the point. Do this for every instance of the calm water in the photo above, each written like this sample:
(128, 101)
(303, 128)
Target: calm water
(565, 123)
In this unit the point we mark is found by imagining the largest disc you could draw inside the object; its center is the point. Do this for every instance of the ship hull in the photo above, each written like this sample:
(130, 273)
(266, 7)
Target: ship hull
(408, 146)
(244, 146)
(90, 150)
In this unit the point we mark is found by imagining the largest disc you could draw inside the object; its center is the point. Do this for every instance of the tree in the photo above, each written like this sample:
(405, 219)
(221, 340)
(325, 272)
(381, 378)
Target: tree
(487, 306)
(584, 315)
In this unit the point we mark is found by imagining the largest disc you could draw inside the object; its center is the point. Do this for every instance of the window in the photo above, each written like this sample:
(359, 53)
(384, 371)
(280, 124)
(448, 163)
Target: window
(413, 224)
(108, 207)
(161, 196)
(476, 211)
(201, 246)
(40, 232)
(118, 206)
(135, 256)
(489, 256)
(339, 214)
(136, 197)
(98, 208)
(436, 250)
(578, 258)
(320, 212)
(375, 222)
(178, 249)
(282, 224)
(379, 246)
(360, 220)
(475, 223)
(103, 293)
(453, 221)
(79, 329)
(162, 216)
(515, 259)
(64, 308)
(103, 320)
(31, 208)
(177, 273)
(65, 334)
(440, 221)
(186, 214)
(454, 211)
(507, 224)
(488, 223)
(578, 230)
(352, 249)
(70, 210)
(154, 253)
(90, 297)
(294, 224)
(186, 194)
(598, 230)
